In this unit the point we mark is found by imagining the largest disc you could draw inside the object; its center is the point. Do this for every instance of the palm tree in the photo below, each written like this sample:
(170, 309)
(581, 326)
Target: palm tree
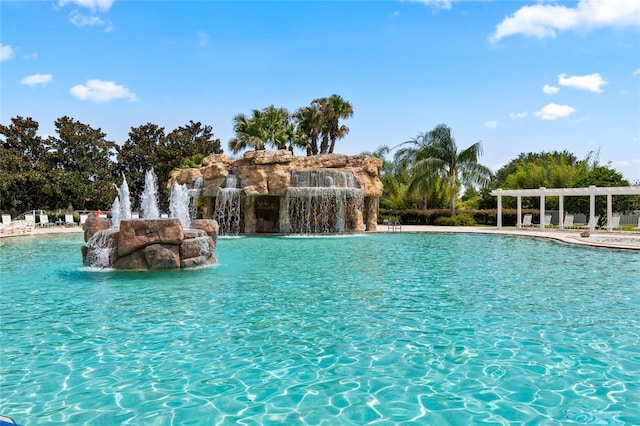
(332, 110)
(266, 126)
(434, 160)
(339, 109)
(247, 133)
(308, 123)
(272, 125)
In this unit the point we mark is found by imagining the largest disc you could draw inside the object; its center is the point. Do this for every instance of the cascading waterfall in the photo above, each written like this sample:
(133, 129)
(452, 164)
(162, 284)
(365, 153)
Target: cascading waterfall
(228, 207)
(149, 198)
(323, 201)
(100, 249)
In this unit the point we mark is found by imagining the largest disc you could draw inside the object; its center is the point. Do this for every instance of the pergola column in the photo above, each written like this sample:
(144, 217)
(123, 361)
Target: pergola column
(519, 211)
(542, 206)
(609, 212)
(592, 209)
(561, 212)
(499, 216)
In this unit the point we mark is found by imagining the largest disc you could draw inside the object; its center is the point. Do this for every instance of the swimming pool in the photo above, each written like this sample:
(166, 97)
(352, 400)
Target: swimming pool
(390, 328)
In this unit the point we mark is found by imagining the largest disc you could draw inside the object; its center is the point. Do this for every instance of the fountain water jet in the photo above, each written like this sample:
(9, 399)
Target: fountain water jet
(121, 207)
(183, 202)
(149, 198)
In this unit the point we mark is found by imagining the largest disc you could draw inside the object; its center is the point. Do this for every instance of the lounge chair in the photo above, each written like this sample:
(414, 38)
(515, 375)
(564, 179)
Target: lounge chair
(135, 215)
(30, 218)
(6, 219)
(68, 220)
(527, 221)
(615, 222)
(547, 220)
(83, 218)
(637, 228)
(568, 221)
(587, 225)
(44, 220)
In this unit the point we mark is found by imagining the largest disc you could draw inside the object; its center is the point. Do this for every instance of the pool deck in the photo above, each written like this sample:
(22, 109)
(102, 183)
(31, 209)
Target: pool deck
(613, 240)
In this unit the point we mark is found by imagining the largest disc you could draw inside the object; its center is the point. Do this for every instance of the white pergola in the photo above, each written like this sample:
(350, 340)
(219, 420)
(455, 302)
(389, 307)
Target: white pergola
(591, 191)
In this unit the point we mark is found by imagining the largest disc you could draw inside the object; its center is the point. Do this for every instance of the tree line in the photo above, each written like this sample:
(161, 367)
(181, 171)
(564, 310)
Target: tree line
(78, 167)
(429, 172)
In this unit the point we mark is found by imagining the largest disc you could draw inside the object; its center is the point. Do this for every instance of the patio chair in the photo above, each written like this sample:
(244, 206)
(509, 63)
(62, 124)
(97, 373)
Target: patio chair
(6, 219)
(44, 220)
(527, 221)
(615, 222)
(547, 220)
(568, 221)
(30, 218)
(83, 218)
(68, 220)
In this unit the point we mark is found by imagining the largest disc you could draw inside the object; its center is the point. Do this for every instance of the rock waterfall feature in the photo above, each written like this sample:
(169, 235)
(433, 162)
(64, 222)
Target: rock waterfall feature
(276, 192)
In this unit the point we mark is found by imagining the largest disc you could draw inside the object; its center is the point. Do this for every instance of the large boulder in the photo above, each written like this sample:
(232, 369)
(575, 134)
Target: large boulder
(136, 234)
(133, 261)
(94, 224)
(209, 226)
(162, 256)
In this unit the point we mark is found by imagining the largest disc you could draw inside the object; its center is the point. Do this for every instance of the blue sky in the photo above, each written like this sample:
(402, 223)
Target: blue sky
(519, 76)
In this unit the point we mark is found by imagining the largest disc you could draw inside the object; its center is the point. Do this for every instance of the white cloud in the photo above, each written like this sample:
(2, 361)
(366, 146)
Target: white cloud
(440, 4)
(490, 124)
(80, 20)
(6, 52)
(395, 13)
(554, 111)
(32, 80)
(591, 82)
(545, 20)
(636, 72)
(93, 5)
(518, 114)
(550, 90)
(101, 91)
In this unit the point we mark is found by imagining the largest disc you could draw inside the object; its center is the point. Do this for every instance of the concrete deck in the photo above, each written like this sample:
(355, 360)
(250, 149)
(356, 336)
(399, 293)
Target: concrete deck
(614, 240)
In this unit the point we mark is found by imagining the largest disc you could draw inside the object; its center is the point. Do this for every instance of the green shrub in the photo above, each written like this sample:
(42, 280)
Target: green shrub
(457, 220)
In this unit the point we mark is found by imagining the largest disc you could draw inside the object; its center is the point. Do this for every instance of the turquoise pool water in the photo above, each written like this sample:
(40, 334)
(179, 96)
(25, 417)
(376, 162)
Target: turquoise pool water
(386, 329)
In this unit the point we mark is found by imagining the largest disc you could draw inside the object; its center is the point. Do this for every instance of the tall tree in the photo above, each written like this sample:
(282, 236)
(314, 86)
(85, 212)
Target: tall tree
(339, 109)
(138, 154)
(248, 132)
(331, 110)
(269, 126)
(308, 125)
(23, 166)
(434, 159)
(81, 163)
